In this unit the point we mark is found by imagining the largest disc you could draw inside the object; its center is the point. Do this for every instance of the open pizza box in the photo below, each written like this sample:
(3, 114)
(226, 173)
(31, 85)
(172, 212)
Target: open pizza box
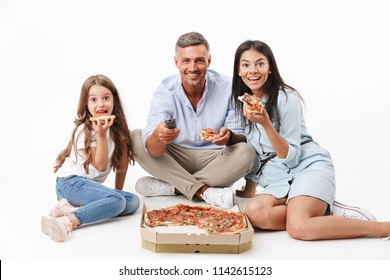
(187, 240)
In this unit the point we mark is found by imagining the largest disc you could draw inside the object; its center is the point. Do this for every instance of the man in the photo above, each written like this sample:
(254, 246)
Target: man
(183, 163)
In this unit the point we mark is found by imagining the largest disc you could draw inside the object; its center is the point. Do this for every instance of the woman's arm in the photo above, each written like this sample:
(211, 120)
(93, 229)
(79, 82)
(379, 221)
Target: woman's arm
(279, 144)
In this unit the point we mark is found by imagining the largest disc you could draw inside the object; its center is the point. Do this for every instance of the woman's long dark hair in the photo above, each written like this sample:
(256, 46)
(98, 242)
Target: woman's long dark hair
(272, 85)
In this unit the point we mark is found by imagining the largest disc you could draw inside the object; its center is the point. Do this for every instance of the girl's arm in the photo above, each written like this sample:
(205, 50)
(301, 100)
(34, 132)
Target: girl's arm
(120, 175)
(100, 152)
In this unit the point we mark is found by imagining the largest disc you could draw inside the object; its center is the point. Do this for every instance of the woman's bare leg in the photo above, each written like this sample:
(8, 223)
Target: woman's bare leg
(266, 212)
(306, 221)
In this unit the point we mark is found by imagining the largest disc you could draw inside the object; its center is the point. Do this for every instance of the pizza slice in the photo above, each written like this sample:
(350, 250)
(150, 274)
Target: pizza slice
(252, 102)
(208, 134)
(101, 118)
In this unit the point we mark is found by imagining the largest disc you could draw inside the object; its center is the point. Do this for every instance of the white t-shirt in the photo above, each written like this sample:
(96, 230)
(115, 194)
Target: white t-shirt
(73, 165)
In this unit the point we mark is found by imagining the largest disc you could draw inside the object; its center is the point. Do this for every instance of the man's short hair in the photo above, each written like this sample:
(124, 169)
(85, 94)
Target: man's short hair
(191, 39)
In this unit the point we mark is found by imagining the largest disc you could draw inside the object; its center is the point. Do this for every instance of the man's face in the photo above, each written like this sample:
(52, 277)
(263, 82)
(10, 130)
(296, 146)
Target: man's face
(192, 62)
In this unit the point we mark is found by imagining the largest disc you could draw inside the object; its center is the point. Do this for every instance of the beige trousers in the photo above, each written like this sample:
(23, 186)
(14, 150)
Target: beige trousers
(189, 169)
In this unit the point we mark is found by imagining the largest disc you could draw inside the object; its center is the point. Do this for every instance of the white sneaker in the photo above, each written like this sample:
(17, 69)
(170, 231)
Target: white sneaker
(221, 197)
(340, 209)
(150, 186)
(62, 208)
(58, 229)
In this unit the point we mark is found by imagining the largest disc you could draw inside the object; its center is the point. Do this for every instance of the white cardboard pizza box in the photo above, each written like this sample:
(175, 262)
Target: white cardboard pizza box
(195, 242)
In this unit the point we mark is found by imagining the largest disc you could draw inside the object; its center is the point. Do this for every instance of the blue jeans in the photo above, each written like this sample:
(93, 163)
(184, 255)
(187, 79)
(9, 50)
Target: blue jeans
(95, 201)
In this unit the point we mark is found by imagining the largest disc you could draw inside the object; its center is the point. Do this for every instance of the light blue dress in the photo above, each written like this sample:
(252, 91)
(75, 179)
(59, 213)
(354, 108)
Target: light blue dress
(307, 169)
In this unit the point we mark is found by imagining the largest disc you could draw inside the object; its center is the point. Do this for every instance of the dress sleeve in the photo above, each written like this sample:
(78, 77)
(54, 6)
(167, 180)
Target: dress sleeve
(290, 113)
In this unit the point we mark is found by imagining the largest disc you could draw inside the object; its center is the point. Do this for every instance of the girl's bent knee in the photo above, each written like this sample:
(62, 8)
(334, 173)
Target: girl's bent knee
(133, 205)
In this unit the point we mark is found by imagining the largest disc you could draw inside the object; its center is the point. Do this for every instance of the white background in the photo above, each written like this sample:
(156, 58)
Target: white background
(336, 53)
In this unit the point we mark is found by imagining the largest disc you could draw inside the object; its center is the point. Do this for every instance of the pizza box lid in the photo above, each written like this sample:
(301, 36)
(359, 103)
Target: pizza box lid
(156, 237)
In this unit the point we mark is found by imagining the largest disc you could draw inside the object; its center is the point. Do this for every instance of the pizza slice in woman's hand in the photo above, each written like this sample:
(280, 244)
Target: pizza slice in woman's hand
(252, 102)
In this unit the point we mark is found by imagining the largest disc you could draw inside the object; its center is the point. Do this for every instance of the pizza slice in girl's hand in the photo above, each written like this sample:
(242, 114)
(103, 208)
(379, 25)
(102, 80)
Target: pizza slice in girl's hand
(208, 134)
(101, 118)
(252, 102)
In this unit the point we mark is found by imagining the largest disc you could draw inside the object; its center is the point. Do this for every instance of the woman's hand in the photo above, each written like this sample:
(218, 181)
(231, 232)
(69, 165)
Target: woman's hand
(260, 117)
(279, 144)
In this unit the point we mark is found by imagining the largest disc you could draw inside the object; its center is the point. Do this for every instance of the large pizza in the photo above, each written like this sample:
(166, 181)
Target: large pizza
(211, 219)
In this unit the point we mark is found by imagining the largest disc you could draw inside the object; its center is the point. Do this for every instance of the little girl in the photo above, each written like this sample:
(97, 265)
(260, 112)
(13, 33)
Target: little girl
(100, 141)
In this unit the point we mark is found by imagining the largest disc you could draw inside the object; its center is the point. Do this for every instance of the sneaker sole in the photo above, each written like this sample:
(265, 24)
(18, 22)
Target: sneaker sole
(54, 228)
(360, 210)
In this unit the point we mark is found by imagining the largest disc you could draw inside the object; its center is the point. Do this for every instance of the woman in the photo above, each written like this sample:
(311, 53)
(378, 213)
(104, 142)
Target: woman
(296, 173)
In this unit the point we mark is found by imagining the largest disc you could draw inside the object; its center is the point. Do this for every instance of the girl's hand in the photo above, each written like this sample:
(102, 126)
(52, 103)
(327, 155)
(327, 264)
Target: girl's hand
(101, 124)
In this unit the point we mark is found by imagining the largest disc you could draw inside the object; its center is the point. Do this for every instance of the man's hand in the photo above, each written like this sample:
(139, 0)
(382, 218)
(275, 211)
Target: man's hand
(161, 136)
(166, 135)
(225, 136)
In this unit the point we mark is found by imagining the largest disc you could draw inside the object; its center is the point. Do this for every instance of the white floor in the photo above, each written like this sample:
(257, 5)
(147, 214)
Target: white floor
(119, 238)
(103, 248)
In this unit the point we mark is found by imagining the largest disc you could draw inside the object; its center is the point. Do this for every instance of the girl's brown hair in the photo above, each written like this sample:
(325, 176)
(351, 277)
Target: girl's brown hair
(119, 131)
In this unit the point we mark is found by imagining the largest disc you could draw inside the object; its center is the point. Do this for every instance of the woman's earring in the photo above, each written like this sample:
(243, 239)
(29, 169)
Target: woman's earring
(239, 74)
(269, 72)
